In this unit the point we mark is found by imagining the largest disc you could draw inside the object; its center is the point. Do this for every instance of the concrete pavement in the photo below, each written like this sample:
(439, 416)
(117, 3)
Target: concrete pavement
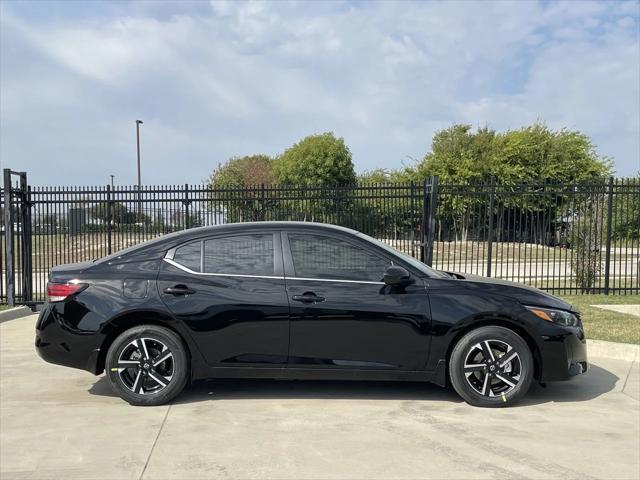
(61, 423)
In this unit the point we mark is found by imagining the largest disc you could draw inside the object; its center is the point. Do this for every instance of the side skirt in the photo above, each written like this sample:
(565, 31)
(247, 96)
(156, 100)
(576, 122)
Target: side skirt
(286, 373)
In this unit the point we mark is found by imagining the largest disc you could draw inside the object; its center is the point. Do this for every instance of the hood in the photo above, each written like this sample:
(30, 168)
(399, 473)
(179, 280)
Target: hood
(523, 293)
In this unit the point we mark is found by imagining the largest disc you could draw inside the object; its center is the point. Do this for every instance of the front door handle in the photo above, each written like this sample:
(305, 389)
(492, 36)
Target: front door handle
(179, 290)
(308, 297)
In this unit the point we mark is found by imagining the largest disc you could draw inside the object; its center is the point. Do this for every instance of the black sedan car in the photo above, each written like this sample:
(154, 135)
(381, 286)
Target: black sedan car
(293, 300)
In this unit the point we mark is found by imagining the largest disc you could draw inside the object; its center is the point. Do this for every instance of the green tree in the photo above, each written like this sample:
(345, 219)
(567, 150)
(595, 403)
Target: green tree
(316, 160)
(533, 155)
(391, 212)
(378, 175)
(457, 156)
(238, 188)
(587, 235)
(120, 214)
(243, 171)
(539, 154)
(321, 166)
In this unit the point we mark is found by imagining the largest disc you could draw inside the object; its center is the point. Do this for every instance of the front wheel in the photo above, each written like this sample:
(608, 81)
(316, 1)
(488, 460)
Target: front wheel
(491, 367)
(147, 365)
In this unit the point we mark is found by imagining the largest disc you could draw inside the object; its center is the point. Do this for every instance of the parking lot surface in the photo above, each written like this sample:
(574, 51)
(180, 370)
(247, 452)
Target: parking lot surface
(61, 423)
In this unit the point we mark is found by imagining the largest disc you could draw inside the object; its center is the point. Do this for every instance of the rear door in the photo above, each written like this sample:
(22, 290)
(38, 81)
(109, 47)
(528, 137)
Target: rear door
(230, 291)
(342, 315)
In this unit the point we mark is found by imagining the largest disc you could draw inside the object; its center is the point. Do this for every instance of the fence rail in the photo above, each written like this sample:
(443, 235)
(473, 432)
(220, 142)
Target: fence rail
(582, 238)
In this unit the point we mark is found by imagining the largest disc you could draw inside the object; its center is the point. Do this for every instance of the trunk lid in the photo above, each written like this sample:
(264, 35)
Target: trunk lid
(68, 271)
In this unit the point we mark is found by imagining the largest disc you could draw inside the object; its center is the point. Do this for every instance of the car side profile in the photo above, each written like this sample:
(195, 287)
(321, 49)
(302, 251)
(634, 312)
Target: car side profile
(297, 300)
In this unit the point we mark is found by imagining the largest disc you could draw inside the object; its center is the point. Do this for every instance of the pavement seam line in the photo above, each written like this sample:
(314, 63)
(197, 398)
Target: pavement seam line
(628, 375)
(164, 420)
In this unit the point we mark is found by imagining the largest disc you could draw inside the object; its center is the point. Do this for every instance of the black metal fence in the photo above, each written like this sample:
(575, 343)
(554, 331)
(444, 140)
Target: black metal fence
(566, 239)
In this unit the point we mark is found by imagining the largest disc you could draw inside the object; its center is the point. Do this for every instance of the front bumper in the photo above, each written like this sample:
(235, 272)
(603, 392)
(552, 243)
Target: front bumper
(564, 354)
(60, 344)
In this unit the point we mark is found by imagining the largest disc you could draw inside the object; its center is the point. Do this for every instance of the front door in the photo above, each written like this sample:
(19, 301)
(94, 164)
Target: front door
(230, 291)
(342, 315)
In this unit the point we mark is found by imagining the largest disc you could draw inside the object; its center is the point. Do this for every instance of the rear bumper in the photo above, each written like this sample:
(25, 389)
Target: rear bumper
(564, 355)
(60, 344)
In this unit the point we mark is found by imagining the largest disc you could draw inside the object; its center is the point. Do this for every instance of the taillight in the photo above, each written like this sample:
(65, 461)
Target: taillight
(56, 292)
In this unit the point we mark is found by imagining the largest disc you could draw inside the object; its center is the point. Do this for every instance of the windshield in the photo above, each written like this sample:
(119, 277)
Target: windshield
(418, 265)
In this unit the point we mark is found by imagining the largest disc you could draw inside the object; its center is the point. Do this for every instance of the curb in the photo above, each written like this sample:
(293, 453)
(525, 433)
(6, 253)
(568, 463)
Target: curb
(13, 313)
(618, 351)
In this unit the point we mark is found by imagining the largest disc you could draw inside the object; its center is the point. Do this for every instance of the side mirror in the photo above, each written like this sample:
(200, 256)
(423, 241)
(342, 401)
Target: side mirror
(396, 276)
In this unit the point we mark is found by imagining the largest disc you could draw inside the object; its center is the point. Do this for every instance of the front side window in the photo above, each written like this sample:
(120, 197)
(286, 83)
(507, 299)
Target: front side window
(323, 257)
(241, 254)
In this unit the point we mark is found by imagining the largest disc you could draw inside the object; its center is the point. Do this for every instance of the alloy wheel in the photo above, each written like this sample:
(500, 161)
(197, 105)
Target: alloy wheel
(492, 368)
(146, 366)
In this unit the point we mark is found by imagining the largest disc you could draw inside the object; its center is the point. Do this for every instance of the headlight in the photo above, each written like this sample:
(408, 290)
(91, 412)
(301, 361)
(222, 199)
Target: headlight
(561, 317)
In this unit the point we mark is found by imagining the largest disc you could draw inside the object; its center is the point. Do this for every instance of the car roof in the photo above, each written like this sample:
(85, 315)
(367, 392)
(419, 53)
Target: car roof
(198, 232)
(162, 242)
(263, 225)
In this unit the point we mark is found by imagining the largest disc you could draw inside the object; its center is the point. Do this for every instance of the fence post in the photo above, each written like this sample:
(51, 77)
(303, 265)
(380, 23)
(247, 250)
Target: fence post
(492, 192)
(263, 211)
(337, 195)
(25, 233)
(607, 260)
(430, 204)
(109, 219)
(8, 239)
(186, 203)
(413, 220)
(435, 192)
(423, 223)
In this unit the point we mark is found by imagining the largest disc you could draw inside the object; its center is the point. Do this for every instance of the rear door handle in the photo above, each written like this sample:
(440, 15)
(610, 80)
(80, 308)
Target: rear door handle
(179, 290)
(308, 297)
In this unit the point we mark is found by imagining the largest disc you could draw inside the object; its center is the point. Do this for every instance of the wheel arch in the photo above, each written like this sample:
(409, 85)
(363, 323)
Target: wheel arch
(125, 321)
(499, 322)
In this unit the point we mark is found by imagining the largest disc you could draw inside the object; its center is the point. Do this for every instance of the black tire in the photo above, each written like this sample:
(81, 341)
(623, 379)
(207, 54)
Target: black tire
(472, 359)
(141, 383)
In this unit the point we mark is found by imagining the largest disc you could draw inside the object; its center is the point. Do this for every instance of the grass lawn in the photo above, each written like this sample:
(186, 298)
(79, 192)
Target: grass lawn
(3, 306)
(602, 324)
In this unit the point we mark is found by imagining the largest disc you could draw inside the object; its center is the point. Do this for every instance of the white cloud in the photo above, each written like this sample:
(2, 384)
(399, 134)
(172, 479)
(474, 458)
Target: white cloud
(255, 77)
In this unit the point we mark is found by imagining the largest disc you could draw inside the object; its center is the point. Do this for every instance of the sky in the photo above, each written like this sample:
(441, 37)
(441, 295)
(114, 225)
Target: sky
(212, 80)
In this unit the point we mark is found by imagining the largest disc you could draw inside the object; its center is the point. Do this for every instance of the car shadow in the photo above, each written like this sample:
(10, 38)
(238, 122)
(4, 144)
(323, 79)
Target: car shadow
(596, 382)
(234, 389)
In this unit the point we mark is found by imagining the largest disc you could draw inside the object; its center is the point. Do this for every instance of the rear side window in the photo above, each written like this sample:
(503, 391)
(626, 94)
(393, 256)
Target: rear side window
(189, 256)
(319, 256)
(241, 254)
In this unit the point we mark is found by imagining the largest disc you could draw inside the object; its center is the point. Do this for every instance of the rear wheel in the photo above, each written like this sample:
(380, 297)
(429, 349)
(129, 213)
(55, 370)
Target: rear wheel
(491, 367)
(147, 365)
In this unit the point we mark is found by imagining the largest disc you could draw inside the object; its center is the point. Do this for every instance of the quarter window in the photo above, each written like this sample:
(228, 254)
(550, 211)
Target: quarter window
(189, 256)
(242, 254)
(319, 256)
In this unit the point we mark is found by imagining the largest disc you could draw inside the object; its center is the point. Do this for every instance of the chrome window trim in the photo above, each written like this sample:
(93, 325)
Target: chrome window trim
(188, 270)
(334, 280)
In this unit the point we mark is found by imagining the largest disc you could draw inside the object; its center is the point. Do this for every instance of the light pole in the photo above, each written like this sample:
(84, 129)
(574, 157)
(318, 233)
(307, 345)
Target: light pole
(111, 175)
(138, 123)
